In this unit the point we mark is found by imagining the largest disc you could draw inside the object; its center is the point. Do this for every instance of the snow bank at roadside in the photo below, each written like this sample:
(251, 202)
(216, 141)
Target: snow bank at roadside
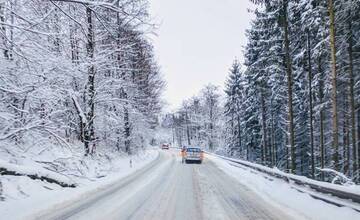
(38, 172)
(24, 196)
(281, 194)
(350, 188)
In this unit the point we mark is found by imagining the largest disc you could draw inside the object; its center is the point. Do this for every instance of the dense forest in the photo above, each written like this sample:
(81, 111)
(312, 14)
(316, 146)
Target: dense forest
(77, 71)
(83, 128)
(294, 103)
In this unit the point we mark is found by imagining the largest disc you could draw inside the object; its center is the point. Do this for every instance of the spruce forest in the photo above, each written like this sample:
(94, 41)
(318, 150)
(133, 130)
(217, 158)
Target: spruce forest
(294, 103)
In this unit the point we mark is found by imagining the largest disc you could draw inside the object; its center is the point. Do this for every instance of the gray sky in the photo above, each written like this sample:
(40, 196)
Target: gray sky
(197, 42)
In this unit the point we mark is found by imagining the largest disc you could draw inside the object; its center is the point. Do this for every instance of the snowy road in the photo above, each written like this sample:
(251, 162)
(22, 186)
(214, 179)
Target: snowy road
(167, 189)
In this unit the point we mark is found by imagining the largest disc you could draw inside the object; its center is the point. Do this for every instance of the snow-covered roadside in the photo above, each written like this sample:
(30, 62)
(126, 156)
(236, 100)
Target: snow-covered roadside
(281, 194)
(24, 197)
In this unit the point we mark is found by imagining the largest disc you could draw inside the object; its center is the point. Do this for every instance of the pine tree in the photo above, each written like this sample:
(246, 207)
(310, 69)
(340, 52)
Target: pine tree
(233, 111)
(287, 42)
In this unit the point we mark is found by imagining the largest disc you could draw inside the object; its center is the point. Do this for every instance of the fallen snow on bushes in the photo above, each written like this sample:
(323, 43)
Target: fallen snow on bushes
(347, 187)
(36, 171)
(281, 194)
(23, 196)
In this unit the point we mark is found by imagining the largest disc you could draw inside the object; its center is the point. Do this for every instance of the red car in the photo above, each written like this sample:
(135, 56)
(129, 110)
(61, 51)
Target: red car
(165, 146)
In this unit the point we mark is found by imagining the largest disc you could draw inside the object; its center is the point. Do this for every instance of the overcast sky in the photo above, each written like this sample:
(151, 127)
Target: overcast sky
(197, 42)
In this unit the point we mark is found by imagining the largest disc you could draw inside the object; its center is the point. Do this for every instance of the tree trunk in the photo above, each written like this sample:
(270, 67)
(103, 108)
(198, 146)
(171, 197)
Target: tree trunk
(348, 157)
(188, 130)
(346, 150)
(3, 31)
(211, 125)
(239, 130)
(89, 133)
(273, 145)
(264, 137)
(57, 41)
(127, 130)
(74, 41)
(82, 123)
(351, 97)
(289, 88)
(311, 108)
(358, 140)
(335, 126)
(11, 43)
(321, 96)
(34, 176)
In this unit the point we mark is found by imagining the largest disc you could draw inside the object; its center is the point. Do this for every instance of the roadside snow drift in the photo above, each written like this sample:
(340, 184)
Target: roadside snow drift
(23, 196)
(283, 195)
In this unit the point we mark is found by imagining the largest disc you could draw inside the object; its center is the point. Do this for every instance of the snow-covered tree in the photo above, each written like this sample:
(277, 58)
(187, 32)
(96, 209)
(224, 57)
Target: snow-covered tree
(78, 71)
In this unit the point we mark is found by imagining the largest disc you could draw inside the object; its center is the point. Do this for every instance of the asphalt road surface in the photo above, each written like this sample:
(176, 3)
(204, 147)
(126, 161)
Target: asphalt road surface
(168, 189)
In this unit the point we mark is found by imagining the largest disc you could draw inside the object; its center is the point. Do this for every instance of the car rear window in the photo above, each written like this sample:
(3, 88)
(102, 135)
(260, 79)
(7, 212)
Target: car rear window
(193, 150)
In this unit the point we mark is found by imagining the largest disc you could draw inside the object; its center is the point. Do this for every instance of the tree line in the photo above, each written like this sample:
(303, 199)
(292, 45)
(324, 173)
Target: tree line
(198, 121)
(296, 102)
(76, 70)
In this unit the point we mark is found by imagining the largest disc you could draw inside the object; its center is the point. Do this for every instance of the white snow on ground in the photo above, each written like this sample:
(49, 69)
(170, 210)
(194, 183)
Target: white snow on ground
(39, 171)
(210, 202)
(280, 193)
(24, 196)
(348, 187)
